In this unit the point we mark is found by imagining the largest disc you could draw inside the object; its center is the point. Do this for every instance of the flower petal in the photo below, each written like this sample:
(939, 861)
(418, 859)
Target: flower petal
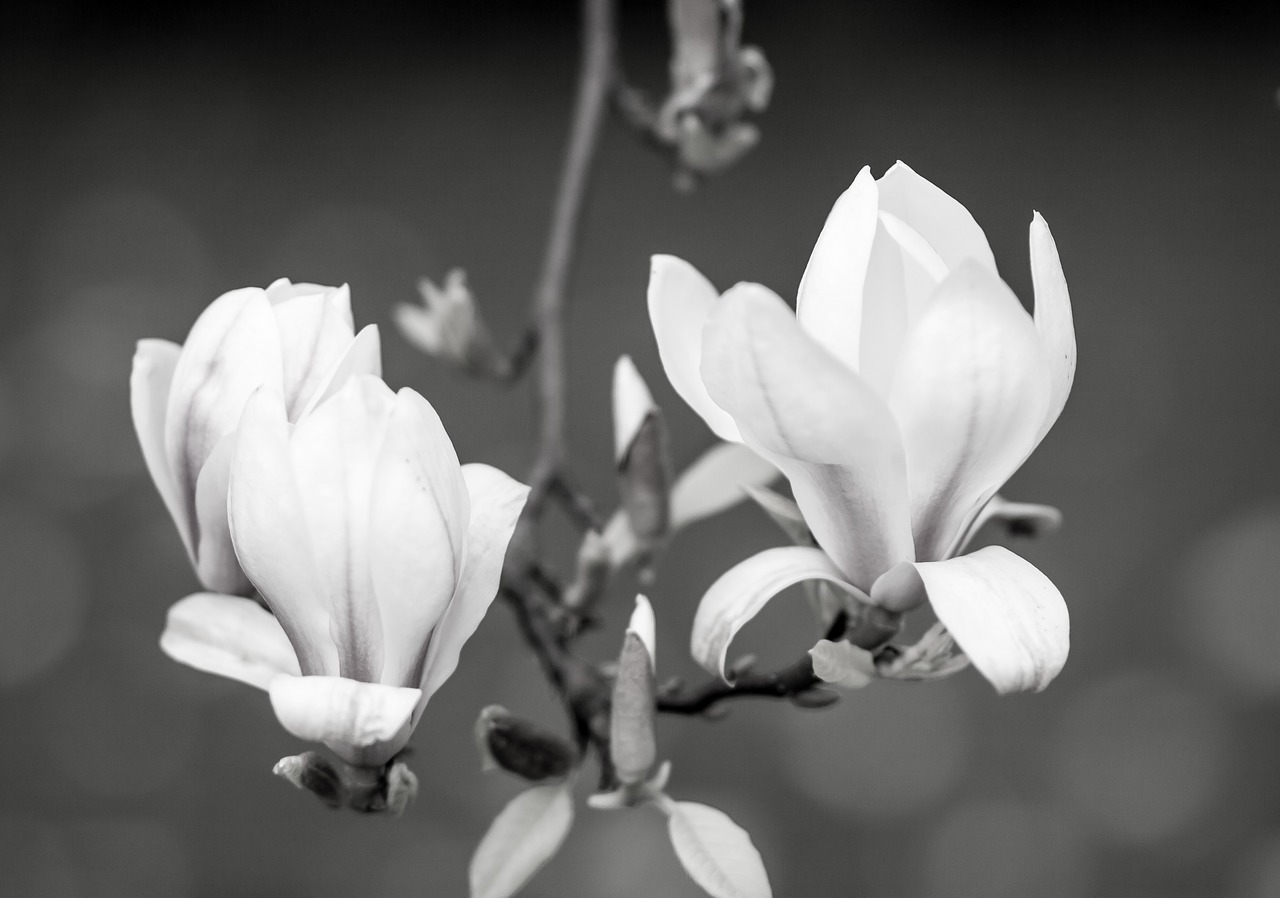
(364, 723)
(228, 636)
(820, 423)
(745, 588)
(1007, 616)
(970, 393)
(335, 451)
(496, 503)
(216, 563)
(829, 303)
(1053, 318)
(270, 533)
(313, 338)
(716, 481)
(233, 349)
(681, 301)
(418, 529)
(943, 221)
(153, 366)
(1019, 518)
(362, 356)
(632, 405)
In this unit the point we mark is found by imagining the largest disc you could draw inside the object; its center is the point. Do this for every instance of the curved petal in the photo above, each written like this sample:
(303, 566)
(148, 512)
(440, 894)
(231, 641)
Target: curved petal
(216, 563)
(1007, 616)
(820, 423)
(233, 349)
(944, 222)
(228, 636)
(418, 529)
(1019, 518)
(362, 356)
(716, 481)
(496, 503)
(313, 339)
(681, 301)
(270, 533)
(1053, 318)
(365, 724)
(335, 451)
(970, 393)
(153, 366)
(632, 406)
(745, 588)
(829, 303)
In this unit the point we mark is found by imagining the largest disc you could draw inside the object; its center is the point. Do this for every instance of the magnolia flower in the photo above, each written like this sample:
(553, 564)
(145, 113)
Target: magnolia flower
(907, 387)
(377, 553)
(297, 339)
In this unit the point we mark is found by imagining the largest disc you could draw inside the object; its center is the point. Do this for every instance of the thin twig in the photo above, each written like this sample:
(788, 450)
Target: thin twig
(793, 680)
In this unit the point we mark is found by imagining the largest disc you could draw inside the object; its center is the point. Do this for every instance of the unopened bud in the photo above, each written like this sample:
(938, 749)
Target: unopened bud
(640, 452)
(448, 325)
(312, 772)
(521, 747)
(632, 742)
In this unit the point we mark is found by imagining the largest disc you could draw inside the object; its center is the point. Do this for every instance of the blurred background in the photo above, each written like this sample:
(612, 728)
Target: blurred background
(155, 155)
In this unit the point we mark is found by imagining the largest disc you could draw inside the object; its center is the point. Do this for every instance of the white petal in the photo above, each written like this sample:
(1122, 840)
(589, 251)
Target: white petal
(335, 451)
(153, 366)
(643, 625)
(216, 563)
(1053, 318)
(270, 533)
(1021, 518)
(1004, 614)
(886, 311)
(745, 588)
(820, 423)
(364, 723)
(632, 405)
(496, 503)
(229, 636)
(362, 356)
(233, 349)
(681, 301)
(970, 393)
(716, 481)
(945, 223)
(843, 664)
(829, 302)
(313, 338)
(420, 509)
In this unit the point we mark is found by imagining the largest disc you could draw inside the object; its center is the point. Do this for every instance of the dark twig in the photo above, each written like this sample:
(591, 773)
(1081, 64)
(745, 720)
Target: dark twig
(792, 680)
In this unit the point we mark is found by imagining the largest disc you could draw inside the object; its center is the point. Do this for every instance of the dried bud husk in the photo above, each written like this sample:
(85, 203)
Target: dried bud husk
(402, 787)
(312, 772)
(632, 742)
(521, 747)
(450, 327)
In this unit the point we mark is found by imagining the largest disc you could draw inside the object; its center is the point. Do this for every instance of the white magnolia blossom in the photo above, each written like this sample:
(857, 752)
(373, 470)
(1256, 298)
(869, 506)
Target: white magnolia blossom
(297, 339)
(377, 553)
(906, 388)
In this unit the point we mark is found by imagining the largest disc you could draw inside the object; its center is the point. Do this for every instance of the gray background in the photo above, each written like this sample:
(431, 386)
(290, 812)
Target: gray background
(152, 157)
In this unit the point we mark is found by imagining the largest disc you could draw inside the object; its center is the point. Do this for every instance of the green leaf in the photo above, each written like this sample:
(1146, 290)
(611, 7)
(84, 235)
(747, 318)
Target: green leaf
(524, 836)
(716, 852)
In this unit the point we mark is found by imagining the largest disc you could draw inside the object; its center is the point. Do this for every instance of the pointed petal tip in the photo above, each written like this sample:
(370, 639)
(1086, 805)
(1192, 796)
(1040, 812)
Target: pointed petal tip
(644, 624)
(632, 405)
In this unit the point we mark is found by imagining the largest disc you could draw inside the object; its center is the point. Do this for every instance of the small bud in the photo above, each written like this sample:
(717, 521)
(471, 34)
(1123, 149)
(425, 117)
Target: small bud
(817, 697)
(310, 771)
(449, 326)
(632, 742)
(640, 452)
(521, 747)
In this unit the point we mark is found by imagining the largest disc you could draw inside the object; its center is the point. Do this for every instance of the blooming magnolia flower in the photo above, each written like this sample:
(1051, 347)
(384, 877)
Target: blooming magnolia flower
(907, 387)
(377, 553)
(297, 339)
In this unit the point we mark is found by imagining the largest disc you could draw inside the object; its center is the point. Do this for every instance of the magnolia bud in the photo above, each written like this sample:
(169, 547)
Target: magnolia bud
(632, 743)
(520, 747)
(640, 452)
(449, 326)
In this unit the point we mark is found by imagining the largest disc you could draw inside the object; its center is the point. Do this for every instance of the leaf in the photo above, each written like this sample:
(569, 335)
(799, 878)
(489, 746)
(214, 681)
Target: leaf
(842, 663)
(716, 852)
(524, 836)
